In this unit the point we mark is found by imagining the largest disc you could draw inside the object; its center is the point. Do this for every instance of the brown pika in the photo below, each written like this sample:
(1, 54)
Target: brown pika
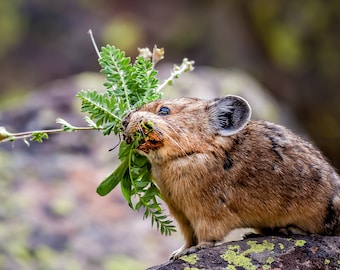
(217, 170)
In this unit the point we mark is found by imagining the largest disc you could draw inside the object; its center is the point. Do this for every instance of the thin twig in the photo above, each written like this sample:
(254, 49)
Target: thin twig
(94, 42)
(178, 70)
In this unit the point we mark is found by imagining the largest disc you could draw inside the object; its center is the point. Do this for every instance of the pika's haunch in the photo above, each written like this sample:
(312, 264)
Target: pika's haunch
(217, 170)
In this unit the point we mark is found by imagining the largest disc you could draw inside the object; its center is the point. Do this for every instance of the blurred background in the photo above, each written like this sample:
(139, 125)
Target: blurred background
(283, 56)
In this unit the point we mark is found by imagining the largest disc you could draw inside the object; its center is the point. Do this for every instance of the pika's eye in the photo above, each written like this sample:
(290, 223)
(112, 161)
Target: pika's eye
(163, 111)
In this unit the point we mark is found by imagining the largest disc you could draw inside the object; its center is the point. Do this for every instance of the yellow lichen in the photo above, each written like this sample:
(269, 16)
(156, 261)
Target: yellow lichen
(257, 248)
(300, 243)
(238, 260)
(192, 258)
(270, 260)
(281, 246)
(235, 258)
(234, 247)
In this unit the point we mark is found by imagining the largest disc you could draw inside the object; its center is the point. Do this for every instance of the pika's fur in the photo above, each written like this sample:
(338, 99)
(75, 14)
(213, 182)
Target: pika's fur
(217, 170)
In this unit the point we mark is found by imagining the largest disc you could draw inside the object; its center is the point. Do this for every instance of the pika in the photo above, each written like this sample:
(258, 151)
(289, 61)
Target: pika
(217, 170)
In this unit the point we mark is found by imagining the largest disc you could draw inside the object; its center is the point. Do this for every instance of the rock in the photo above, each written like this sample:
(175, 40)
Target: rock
(295, 252)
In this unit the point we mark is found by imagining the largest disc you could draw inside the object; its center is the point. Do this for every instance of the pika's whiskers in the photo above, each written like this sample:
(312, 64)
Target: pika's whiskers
(164, 133)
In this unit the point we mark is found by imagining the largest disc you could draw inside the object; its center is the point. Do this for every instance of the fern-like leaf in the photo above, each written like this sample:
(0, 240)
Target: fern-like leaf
(128, 86)
(116, 68)
(102, 109)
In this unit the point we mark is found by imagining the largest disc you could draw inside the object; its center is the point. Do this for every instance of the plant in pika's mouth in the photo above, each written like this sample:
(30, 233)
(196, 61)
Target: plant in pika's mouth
(128, 86)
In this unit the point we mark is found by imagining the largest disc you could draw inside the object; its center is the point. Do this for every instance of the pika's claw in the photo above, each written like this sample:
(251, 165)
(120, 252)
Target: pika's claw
(177, 253)
(186, 251)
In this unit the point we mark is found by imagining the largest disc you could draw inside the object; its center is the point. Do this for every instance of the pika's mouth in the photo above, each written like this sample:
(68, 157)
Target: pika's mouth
(151, 141)
(145, 139)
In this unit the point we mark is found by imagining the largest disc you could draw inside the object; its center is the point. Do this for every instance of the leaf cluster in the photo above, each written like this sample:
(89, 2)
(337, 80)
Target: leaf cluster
(134, 177)
(128, 86)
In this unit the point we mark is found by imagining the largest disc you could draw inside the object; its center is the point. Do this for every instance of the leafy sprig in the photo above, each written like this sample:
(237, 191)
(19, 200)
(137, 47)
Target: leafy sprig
(40, 135)
(128, 86)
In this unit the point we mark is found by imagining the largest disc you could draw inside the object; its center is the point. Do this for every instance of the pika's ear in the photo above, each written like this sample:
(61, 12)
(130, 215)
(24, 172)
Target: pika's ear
(229, 114)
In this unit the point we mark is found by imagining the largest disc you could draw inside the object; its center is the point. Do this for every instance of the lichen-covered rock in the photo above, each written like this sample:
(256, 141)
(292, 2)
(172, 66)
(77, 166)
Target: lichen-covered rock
(296, 252)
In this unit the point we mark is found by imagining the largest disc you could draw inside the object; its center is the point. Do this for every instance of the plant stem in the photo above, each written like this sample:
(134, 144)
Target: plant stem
(184, 67)
(28, 134)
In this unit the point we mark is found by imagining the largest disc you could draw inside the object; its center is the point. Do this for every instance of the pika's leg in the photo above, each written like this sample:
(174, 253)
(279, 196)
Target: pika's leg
(187, 231)
(185, 249)
(192, 249)
(207, 236)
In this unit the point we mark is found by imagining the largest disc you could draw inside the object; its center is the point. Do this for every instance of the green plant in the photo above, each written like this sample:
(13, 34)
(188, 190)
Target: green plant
(128, 86)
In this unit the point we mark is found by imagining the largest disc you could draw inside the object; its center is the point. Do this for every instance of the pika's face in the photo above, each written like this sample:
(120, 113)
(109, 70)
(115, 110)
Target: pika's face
(177, 127)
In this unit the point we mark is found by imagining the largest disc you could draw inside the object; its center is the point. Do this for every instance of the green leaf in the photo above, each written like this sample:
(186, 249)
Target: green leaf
(124, 150)
(39, 136)
(128, 86)
(125, 185)
(139, 161)
(100, 110)
(138, 205)
(113, 179)
(143, 180)
(116, 67)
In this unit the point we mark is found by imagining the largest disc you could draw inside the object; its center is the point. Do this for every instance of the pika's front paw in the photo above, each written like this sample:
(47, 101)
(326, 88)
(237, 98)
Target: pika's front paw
(177, 253)
(185, 251)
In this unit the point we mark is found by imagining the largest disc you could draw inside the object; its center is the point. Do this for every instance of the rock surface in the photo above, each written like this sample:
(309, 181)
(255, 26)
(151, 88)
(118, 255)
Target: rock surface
(296, 252)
